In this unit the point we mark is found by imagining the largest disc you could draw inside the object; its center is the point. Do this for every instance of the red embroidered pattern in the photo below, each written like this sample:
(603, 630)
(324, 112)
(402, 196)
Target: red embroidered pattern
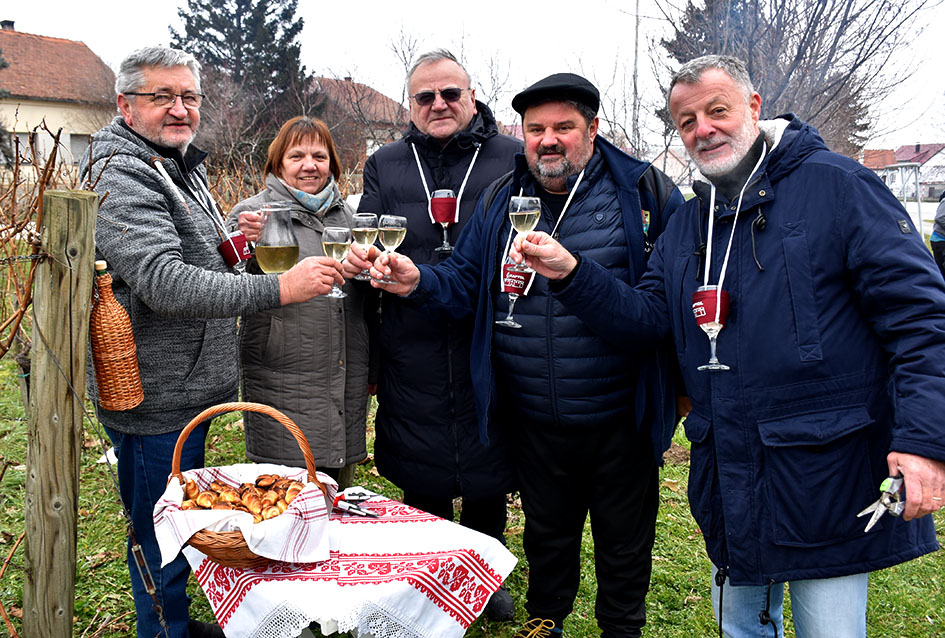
(459, 581)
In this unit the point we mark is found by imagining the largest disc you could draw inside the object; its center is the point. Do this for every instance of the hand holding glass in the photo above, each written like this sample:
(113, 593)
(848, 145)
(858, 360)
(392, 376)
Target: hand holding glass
(392, 229)
(335, 242)
(277, 249)
(364, 233)
(524, 213)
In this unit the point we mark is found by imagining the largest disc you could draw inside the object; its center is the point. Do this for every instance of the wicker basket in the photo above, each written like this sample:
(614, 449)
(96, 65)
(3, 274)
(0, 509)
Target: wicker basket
(230, 548)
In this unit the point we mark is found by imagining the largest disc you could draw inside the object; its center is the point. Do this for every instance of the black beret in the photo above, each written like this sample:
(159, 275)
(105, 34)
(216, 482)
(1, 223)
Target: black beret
(560, 86)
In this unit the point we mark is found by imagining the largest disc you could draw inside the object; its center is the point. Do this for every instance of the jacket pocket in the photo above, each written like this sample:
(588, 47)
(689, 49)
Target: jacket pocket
(697, 427)
(816, 468)
(274, 354)
(703, 489)
(801, 290)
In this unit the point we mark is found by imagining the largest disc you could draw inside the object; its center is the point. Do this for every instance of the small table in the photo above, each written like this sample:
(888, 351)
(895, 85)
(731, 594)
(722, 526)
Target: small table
(405, 573)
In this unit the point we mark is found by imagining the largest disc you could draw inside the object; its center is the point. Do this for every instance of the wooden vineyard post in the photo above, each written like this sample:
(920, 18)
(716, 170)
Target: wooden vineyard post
(62, 294)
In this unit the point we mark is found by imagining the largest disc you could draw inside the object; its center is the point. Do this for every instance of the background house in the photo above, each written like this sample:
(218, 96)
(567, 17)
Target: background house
(902, 168)
(675, 163)
(361, 119)
(57, 81)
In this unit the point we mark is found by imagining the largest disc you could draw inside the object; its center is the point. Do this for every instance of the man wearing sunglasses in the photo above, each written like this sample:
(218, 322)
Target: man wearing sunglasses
(588, 417)
(427, 439)
(163, 237)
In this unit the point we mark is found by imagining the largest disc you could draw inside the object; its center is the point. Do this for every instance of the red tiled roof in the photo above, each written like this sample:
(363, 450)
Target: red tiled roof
(45, 68)
(373, 105)
(878, 158)
(920, 153)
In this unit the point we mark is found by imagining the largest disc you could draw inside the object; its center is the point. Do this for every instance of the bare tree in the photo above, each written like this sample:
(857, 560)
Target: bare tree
(824, 60)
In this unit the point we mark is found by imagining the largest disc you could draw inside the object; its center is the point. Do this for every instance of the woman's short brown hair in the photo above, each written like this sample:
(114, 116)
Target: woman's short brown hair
(297, 130)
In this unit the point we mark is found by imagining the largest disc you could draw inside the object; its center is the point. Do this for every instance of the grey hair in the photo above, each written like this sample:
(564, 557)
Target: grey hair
(131, 72)
(691, 71)
(437, 55)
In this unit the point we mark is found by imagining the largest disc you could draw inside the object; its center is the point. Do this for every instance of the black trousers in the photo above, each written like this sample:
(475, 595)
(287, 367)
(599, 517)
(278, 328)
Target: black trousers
(938, 251)
(487, 516)
(566, 473)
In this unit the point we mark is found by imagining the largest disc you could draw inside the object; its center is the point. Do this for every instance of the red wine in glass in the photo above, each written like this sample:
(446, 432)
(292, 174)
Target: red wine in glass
(514, 282)
(443, 208)
(710, 308)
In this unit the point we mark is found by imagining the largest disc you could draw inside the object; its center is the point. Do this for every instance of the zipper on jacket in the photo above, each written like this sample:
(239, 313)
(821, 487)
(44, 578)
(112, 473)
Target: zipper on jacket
(452, 402)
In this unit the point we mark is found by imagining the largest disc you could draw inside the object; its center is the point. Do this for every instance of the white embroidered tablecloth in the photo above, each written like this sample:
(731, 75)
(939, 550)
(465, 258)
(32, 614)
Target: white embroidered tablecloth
(405, 574)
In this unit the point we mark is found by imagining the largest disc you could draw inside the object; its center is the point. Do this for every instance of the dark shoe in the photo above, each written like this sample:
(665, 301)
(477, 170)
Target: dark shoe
(500, 607)
(539, 628)
(198, 629)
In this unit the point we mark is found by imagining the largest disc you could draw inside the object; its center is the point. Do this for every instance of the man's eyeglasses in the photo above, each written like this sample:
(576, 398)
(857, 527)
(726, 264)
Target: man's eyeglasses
(426, 98)
(163, 100)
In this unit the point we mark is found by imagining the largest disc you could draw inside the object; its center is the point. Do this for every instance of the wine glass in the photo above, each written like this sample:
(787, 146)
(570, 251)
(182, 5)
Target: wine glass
(710, 307)
(364, 233)
(277, 248)
(524, 213)
(515, 282)
(443, 208)
(391, 230)
(335, 242)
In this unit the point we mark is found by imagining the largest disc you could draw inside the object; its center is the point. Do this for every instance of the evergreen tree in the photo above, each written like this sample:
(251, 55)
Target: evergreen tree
(253, 75)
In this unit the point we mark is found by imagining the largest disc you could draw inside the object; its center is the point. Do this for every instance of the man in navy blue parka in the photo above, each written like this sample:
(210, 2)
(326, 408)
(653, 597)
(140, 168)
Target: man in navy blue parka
(835, 341)
(589, 418)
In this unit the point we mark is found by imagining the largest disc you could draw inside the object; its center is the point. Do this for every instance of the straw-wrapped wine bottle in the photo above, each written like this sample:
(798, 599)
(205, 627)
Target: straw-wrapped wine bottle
(114, 354)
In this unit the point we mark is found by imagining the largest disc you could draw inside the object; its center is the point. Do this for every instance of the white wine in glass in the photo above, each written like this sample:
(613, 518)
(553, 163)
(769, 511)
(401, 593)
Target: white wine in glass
(391, 230)
(524, 213)
(277, 249)
(364, 234)
(335, 242)
(276, 259)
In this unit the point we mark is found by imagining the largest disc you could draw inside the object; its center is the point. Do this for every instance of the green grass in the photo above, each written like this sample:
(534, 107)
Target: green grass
(905, 601)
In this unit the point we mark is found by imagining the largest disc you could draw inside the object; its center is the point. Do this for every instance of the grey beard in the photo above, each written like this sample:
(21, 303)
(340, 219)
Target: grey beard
(554, 177)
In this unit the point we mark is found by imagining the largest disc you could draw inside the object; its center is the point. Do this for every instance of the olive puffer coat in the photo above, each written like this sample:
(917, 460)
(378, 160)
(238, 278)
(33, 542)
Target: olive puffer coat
(309, 360)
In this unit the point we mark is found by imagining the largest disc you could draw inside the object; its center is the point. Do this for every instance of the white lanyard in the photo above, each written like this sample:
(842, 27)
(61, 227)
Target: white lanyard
(462, 187)
(728, 249)
(204, 198)
(508, 242)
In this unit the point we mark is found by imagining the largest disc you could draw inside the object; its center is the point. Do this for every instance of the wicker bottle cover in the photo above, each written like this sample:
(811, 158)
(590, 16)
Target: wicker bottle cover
(114, 354)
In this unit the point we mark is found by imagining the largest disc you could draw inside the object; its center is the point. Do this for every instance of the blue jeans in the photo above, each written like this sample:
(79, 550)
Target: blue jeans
(822, 607)
(144, 463)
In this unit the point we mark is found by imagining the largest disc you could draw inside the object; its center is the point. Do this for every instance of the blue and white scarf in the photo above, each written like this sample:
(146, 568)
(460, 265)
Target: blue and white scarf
(320, 202)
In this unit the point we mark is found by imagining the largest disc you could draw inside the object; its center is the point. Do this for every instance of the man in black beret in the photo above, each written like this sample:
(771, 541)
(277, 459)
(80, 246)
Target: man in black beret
(589, 419)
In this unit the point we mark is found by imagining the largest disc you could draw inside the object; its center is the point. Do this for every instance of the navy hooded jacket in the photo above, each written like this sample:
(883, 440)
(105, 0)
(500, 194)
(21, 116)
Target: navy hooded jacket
(836, 342)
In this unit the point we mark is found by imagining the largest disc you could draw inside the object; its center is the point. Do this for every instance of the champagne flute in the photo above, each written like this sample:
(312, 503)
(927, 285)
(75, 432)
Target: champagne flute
(335, 242)
(364, 233)
(710, 307)
(443, 208)
(524, 213)
(514, 282)
(391, 230)
(277, 248)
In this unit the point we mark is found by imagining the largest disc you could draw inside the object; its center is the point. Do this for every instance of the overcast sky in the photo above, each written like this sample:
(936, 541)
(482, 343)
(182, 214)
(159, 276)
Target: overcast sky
(593, 38)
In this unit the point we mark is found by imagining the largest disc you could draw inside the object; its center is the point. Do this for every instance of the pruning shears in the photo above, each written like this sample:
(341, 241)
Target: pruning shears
(888, 501)
(349, 500)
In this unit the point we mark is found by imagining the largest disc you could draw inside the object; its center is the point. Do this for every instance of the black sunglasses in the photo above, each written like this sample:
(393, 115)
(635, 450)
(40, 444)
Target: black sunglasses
(426, 98)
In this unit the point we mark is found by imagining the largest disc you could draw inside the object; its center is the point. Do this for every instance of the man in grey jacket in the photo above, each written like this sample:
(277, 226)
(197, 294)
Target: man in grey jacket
(159, 230)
